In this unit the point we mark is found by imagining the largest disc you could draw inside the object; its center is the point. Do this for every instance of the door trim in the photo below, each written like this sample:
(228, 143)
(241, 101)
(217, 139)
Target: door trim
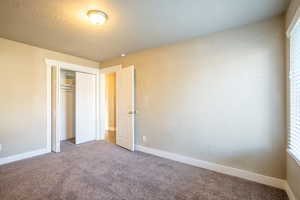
(72, 67)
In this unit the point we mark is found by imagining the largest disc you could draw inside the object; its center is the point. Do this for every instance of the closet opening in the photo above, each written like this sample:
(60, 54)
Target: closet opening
(110, 107)
(73, 105)
(67, 107)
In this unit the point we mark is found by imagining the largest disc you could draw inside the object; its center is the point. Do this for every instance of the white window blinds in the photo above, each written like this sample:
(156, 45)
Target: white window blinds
(294, 136)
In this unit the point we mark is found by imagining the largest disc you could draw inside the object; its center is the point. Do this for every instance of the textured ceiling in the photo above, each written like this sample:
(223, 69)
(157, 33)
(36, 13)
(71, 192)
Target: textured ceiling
(62, 25)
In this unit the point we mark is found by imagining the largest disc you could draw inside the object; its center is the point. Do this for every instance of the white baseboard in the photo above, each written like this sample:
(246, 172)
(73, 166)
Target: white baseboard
(266, 180)
(289, 192)
(22, 156)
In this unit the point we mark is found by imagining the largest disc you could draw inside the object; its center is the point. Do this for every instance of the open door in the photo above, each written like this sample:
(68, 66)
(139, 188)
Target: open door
(125, 108)
(85, 107)
(55, 114)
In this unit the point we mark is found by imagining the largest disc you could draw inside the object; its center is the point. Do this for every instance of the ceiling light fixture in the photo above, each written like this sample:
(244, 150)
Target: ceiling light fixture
(97, 16)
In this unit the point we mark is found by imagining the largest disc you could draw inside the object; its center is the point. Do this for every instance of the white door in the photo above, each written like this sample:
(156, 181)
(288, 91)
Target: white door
(125, 108)
(85, 107)
(55, 109)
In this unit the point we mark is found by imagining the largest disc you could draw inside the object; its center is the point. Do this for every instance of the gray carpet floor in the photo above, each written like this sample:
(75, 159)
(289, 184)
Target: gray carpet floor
(100, 170)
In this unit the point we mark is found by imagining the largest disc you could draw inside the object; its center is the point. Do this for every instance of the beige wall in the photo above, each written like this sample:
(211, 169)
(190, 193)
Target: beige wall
(23, 95)
(293, 169)
(110, 83)
(218, 98)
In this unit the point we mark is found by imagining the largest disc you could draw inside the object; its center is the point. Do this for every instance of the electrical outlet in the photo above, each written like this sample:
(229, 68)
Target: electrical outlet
(0, 147)
(144, 138)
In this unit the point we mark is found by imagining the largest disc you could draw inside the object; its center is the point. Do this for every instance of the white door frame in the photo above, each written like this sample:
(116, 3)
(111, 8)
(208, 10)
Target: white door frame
(103, 72)
(72, 67)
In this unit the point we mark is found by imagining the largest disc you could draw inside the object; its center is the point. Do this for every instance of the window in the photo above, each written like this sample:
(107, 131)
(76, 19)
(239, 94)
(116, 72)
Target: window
(294, 136)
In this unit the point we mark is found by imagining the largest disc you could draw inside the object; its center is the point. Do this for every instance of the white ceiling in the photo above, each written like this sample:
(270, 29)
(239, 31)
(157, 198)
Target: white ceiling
(62, 25)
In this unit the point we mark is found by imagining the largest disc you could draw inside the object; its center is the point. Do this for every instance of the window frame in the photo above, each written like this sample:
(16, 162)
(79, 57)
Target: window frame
(295, 23)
